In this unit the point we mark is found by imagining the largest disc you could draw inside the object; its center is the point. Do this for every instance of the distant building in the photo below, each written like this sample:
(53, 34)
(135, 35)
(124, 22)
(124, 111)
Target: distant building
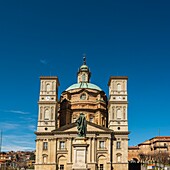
(159, 144)
(106, 143)
(3, 159)
(13, 159)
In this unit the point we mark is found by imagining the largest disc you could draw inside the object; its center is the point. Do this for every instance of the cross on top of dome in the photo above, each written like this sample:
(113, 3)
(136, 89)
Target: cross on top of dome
(84, 59)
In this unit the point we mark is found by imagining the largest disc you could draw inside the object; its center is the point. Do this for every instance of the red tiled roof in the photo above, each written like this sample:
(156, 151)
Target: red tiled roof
(133, 147)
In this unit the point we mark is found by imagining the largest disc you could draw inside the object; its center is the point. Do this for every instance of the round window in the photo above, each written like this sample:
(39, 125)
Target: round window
(83, 96)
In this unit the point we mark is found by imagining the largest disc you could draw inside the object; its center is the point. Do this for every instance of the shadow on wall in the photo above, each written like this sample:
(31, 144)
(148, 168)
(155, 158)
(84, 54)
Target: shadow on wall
(136, 166)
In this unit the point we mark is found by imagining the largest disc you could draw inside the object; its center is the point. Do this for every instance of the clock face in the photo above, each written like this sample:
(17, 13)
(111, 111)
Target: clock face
(47, 97)
(119, 98)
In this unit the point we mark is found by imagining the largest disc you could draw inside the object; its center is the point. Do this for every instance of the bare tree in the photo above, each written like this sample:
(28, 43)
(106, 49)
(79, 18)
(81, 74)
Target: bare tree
(162, 158)
(143, 157)
(22, 164)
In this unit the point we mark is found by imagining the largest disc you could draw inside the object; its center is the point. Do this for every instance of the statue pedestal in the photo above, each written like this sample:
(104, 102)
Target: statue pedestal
(80, 154)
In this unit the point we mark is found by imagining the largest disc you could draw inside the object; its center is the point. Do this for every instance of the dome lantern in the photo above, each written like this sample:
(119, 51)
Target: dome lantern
(83, 75)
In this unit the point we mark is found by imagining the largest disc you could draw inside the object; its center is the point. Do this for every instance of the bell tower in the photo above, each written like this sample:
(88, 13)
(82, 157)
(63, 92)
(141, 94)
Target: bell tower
(117, 106)
(48, 104)
(118, 120)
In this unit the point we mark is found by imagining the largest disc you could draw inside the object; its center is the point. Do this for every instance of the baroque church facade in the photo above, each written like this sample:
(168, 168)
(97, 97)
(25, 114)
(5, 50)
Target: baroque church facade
(105, 146)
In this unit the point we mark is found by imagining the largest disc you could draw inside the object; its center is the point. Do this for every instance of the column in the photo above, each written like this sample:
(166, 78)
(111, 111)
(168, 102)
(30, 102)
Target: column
(69, 150)
(37, 151)
(99, 118)
(95, 148)
(40, 149)
(108, 143)
(49, 151)
(91, 150)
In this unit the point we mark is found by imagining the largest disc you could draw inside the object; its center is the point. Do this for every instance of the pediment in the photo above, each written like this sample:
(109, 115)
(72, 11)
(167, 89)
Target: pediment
(91, 127)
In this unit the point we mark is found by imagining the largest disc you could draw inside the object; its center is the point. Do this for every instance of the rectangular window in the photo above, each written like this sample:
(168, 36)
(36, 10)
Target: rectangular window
(45, 145)
(61, 167)
(101, 167)
(62, 145)
(118, 145)
(101, 145)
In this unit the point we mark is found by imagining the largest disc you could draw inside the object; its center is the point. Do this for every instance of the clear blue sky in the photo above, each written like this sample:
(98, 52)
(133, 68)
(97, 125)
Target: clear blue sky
(123, 37)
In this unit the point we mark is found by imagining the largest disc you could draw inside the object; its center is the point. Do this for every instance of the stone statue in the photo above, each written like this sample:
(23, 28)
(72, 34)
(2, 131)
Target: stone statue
(81, 125)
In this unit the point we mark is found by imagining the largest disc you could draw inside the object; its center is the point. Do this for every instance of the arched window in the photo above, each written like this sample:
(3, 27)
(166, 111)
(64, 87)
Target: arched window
(83, 77)
(119, 87)
(45, 158)
(52, 112)
(119, 114)
(62, 163)
(101, 162)
(113, 113)
(40, 113)
(119, 157)
(47, 114)
(48, 87)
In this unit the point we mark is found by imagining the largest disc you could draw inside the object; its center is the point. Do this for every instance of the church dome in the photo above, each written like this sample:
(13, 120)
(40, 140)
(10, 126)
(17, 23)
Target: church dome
(83, 79)
(84, 86)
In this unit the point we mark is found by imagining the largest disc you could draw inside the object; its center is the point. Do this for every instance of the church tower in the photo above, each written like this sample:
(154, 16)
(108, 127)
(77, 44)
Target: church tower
(48, 104)
(118, 120)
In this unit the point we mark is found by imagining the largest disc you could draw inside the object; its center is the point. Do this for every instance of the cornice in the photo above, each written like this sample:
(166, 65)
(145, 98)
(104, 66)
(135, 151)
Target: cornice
(43, 133)
(50, 78)
(47, 102)
(121, 133)
(118, 78)
(117, 102)
(89, 132)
